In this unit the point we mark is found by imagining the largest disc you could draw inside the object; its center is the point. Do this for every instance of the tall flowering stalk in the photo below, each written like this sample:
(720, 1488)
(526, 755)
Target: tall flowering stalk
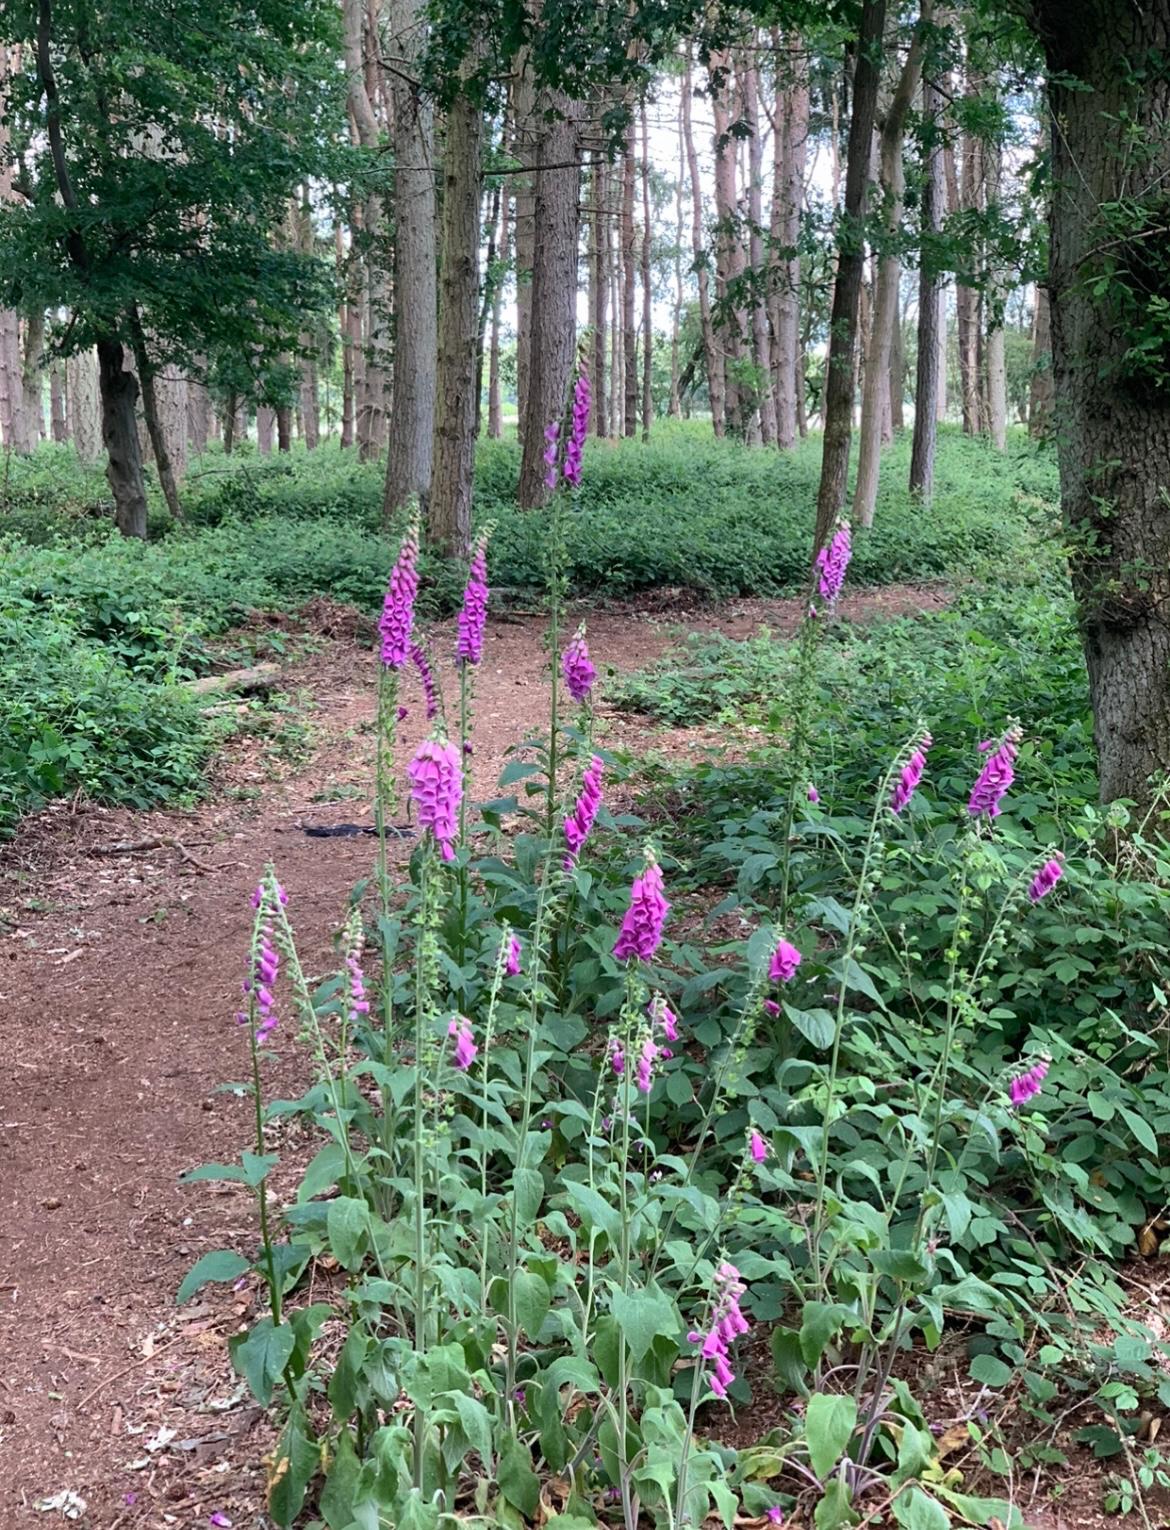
(997, 774)
(580, 821)
(910, 776)
(579, 426)
(421, 662)
(468, 654)
(831, 563)
(259, 1016)
(577, 668)
(641, 931)
(436, 784)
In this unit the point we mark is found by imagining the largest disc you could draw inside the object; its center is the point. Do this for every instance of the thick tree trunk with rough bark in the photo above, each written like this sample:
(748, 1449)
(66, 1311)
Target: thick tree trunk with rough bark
(839, 381)
(554, 290)
(712, 355)
(529, 129)
(83, 405)
(58, 425)
(495, 401)
(1040, 384)
(265, 429)
(119, 394)
(448, 522)
(931, 360)
(1109, 76)
(31, 418)
(967, 301)
(199, 416)
(598, 289)
(410, 448)
(885, 308)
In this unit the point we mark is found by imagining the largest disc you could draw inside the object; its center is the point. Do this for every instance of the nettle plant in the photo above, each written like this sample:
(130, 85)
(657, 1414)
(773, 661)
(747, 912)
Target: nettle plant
(553, 1221)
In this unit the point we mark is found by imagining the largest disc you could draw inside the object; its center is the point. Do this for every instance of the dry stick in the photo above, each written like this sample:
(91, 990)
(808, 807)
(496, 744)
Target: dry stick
(159, 842)
(117, 1376)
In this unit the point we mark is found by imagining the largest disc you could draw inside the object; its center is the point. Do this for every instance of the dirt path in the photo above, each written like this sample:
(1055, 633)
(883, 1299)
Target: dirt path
(119, 976)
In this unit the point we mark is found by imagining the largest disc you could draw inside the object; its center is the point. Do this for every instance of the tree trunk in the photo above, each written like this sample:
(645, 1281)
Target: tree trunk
(730, 257)
(488, 298)
(119, 395)
(897, 388)
(1040, 385)
(310, 409)
(761, 334)
(931, 363)
(284, 428)
(885, 308)
(996, 361)
(967, 297)
(838, 400)
(613, 258)
(83, 405)
(31, 416)
(554, 291)
(679, 292)
(1114, 424)
(495, 403)
(529, 132)
(629, 331)
(159, 445)
(265, 429)
(448, 524)
(647, 296)
(598, 288)
(788, 161)
(713, 358)
(58, 426)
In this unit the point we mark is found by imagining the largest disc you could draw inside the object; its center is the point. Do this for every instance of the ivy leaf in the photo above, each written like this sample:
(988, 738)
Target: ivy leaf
(830, 1420)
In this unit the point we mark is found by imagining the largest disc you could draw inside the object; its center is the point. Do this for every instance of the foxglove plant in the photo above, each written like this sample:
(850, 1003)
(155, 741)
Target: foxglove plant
(910, 776)
(997, 774)
(578, 669)
(436, 784)
(579, 428)
(580, 821)
(641, 931)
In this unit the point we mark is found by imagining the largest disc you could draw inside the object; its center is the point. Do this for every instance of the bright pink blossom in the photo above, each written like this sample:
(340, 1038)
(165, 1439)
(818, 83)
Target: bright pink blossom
(641, 931)
(1045, 880)
(473, 615)
(997, 775)
(397, 618)
(577, 667)
(466, 1050)
(436, 784)
(910, 775)
(580, 820)
(1026, 1086)
(785, 961)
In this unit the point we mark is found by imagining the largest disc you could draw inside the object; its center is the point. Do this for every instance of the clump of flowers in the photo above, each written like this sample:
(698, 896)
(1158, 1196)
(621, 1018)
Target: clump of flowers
(727, 1324)
(552, 436)
(397, 620)
(580, 820)
(436, 784)
(466, 1050)
(574, 450)
(1026, 1086)
(664, 1018)
(997, 774)
(832, 561)
(418, 657)
(641, 931)
(473, 613)
(1045, 880)
(647, 1057)
(910, 775)
(785, 961)
(615, 1056)
(359, 1003)
(577, 667)
(261, 980)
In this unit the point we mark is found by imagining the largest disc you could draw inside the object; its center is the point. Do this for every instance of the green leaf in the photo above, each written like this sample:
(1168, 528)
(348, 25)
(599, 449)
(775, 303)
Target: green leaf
(642, 1316)
(348, 1223)
(297, 1458)
(990, 1370)
(830, 1420)
(337, 1496)
(221, 1266)
(477, 1425)
(819, 1322)
(916, 1510)
(532, 1300)
(261, 1356)
(346, 1378)
(258, 1166)
(528, 1188)
(518, 1482)
(594, 1210)
(834, 1511)
(897, 1263)
(1140, 1128)
(817, 1026)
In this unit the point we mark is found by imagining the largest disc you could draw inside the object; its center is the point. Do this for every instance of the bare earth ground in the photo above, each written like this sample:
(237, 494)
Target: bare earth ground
(119, 976)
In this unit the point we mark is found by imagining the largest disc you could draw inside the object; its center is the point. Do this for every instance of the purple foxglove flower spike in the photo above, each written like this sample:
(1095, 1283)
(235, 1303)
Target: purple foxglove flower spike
(663, 1016)
(577, 667)
(641, 931)
(759, 1148)
(615, 1056)
(436, 784)
(1045, 879)
(418, 657)
(813, 794)
(727, 1324)
(473, 616)
(785, 961)
(647, 1057)
(910, 775)
(552, 436)
(466, 1050)
(397, 618)
(575, 448)
(832, 561)
(580, 820)
(997, 774)
(512, 956)
(1026, 1086)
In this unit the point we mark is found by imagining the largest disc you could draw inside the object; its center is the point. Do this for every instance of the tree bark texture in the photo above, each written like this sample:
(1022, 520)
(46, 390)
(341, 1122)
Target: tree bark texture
(629, 321)
(448, 520)
(788, 162)
(83, 405)
(730, 256)
(839, 383)
(930, 307)
(119, 394)
(598, 289)
(712, 356)
(647, 294)
(1113, 428)
(1040, 384)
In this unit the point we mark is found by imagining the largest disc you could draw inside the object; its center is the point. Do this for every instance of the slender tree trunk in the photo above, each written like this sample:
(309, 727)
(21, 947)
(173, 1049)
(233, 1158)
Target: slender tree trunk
(712, 357)
(730, 258)
(1109, 88)
(265, 429)
(967, 298)
(83, 406)
(838, 405)
(885, 308)
(629, 322)
(489, 288)
(449, 516)
(679, 294)
(897, 389)
(58, 426)
(996, 360)
(284, 428)
(617, 395)
(930, 368)
(647, 296)
(554, 291)
(761, 334)
(1040, 386)
(598, 289)
(30, 418)
(410, 449)
(495, 403)
(119, 394)
(159, 445)
(529, 131)
(788, 161)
